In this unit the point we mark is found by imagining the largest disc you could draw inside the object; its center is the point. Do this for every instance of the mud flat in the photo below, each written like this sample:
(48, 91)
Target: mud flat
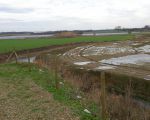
(121, 61)
(26, 60)
(116, 57)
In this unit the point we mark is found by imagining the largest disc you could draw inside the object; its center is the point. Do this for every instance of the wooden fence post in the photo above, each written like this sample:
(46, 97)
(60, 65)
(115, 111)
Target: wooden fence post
(9, 57)
(55, 71)
(103, 95)
(28, 57)
(128, 97)
(16, 56)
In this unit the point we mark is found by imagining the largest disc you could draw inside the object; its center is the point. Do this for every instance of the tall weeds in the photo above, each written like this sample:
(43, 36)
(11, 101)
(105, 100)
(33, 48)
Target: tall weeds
(94, 85)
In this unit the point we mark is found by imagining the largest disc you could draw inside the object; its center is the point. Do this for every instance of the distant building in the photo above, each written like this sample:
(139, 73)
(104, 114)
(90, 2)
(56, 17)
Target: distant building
(147, 26)
(118, 28)
(66, 34)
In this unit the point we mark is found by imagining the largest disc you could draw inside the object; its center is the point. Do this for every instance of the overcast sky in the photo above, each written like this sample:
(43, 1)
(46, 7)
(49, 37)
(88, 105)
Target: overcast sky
(43, 15)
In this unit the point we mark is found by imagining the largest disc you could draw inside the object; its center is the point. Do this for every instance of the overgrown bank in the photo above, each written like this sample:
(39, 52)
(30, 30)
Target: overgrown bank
(19, 91)
(17, 82)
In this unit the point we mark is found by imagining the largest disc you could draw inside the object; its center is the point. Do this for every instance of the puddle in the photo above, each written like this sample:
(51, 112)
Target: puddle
(130, 59)
(82, 63)
(81, 68)
(25, 59)
(105, 67)
(75, 51)
(115, 43)
(145, 48)
(107, 50)
(147, 77)
(135, 44)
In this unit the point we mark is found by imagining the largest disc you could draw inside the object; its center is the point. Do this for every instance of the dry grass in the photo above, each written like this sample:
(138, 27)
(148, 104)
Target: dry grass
(22, 99)
(118, 107)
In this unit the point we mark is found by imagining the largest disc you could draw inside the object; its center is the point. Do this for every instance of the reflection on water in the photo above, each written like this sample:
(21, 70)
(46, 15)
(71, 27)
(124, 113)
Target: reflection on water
(101, 34)
(24, 36)
(50, 35)
(129, 59)
(25, 59)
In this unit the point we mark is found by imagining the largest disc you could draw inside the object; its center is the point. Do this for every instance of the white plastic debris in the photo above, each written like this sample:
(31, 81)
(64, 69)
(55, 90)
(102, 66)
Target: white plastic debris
(147, 77)
(82, 63)
(110, 50)
(40, 70)
(105, 67)
(81, 68)
(79, 97)
(129, 59)
(61, 83)
(145, 49)
(59, 55)
(87, 111)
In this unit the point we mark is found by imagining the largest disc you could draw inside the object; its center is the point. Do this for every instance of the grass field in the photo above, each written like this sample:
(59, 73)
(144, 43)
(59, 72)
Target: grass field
(21, 44)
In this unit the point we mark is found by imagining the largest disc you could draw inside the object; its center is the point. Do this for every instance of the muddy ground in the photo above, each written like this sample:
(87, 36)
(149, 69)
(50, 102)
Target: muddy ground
(127, 57)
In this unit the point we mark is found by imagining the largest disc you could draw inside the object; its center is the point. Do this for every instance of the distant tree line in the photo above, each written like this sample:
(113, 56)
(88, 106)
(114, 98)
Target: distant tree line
(146, 28)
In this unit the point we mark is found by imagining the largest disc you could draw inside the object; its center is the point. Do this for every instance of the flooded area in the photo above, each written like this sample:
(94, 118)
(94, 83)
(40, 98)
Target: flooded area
(138, 59)
(51, 35)
(105, 67)
(95, 50)
(23, 36)
(26, 60)
(82, 63)
(147, 77)
(145, 49)
(103, 34)
(128, 57)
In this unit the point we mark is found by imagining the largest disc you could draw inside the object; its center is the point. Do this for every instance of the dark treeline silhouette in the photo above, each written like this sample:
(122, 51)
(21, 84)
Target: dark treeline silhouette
(146, 28)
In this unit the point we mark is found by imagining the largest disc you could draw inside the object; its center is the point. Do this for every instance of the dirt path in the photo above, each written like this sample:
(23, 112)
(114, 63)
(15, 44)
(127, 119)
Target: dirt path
(22, 99)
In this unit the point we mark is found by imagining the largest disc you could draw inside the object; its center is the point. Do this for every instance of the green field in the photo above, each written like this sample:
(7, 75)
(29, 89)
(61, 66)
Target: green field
(21, 44)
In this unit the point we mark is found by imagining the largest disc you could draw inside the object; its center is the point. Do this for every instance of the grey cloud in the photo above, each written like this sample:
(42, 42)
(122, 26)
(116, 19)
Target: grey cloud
(8, 20)
(10, 9)
(121, 12)
(54, 15)
(59, 23)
